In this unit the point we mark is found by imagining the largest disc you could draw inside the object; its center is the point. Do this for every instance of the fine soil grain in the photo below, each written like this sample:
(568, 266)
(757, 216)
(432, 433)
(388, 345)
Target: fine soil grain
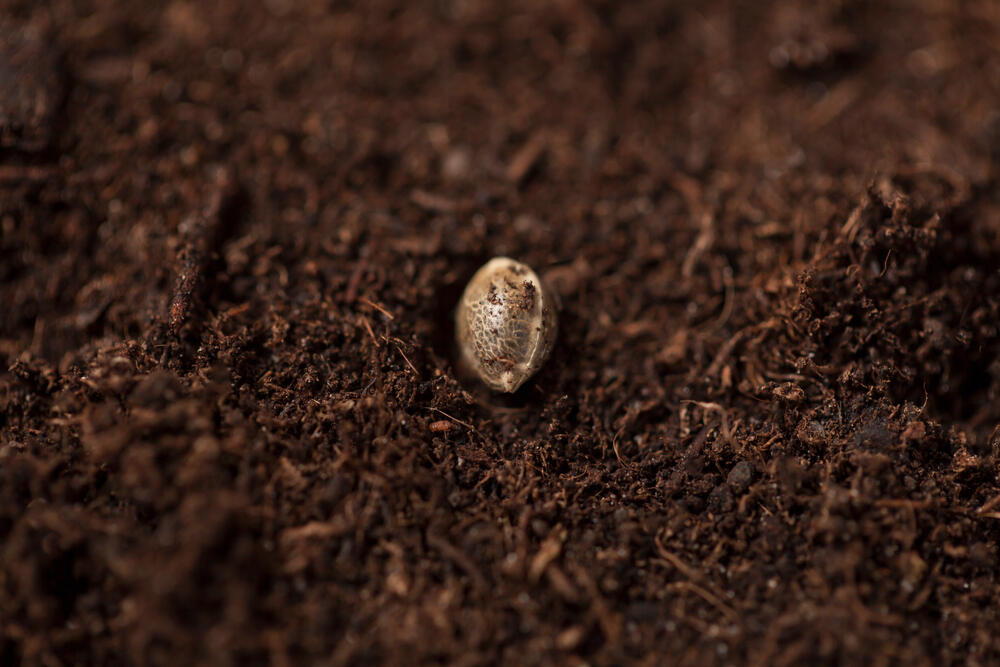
(233, 430)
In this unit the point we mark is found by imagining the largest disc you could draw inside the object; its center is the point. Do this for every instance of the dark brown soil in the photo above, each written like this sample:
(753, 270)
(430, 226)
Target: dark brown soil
(231, 426)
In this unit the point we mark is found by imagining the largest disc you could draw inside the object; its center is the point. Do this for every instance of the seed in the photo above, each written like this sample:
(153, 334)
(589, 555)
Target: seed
(505, 324)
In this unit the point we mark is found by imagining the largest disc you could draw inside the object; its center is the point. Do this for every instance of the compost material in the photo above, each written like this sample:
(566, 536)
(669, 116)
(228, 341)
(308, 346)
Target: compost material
(233, 429)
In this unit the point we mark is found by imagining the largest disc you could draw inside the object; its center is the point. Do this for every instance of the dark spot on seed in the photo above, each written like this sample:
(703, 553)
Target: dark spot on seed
(527, 300)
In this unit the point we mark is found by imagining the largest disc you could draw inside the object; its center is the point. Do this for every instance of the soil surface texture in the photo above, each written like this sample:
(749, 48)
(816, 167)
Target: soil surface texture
(233, 429)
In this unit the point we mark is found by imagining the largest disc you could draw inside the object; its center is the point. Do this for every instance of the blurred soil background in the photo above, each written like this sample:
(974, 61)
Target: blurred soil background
(231, 237)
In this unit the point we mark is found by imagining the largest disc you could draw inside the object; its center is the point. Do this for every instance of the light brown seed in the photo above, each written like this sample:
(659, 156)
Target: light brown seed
(505, 324)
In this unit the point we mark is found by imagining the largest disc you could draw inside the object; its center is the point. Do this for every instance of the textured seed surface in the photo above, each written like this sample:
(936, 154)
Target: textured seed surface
(505, 324)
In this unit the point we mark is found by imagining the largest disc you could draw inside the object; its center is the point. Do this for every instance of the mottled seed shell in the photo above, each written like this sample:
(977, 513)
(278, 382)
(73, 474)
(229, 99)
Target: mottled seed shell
(505, 324)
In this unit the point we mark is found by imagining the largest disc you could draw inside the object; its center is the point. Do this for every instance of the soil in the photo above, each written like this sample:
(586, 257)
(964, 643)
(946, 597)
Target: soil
(232, 428)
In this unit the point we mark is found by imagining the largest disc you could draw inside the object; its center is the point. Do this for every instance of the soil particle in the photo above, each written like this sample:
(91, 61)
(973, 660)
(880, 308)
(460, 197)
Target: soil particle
(31, 86)
(740, 476)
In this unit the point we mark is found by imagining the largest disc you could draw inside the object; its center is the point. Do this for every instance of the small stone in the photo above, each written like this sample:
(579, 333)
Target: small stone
(740, 476)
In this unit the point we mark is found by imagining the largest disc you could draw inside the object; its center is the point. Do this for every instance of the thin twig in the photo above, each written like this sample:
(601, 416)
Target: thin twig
(459, 558)
(371, 333)
(694, 576)
(708, 597)
(989, 504)
(199, 236)
(614, 446)
(377, 307)
(406, 359)
(727, 432)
